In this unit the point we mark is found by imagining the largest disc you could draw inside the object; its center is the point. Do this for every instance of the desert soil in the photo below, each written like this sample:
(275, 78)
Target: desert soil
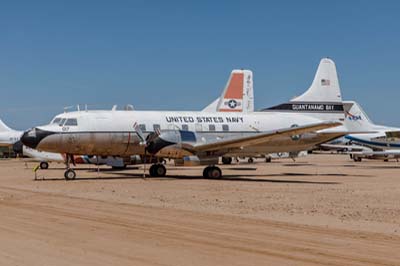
(319, 210)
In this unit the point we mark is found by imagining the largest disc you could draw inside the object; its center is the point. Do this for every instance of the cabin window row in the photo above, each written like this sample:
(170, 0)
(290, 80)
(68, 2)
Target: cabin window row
(186, 127)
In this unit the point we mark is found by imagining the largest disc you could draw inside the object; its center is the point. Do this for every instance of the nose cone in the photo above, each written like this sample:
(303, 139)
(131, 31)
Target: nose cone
(31, 138)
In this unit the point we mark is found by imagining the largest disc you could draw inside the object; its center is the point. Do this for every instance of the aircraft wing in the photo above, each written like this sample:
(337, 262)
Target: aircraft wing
(262, 138)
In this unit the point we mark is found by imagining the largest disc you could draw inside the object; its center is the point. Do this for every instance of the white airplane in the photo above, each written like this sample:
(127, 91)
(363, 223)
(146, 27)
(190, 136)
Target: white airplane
(8, 136)
(381, 143)
(191, 137)
(188, 136)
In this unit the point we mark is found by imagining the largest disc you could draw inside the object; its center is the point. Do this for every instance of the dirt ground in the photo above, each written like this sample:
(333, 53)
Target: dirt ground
(319, 210)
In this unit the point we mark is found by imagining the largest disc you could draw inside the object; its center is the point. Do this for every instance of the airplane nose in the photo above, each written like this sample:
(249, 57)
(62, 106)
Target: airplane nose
(31, 138)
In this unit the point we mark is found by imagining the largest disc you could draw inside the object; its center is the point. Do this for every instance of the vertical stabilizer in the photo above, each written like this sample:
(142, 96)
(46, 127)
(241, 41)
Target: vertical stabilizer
(238, 94)
(325, 86)
(356, 118)
(322, 100)
(4, 127)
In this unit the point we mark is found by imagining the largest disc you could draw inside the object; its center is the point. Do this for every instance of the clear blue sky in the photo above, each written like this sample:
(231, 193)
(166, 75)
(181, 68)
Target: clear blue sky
(178, 54)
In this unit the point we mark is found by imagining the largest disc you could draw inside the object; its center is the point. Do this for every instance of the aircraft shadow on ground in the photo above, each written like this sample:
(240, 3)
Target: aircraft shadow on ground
(241, 178)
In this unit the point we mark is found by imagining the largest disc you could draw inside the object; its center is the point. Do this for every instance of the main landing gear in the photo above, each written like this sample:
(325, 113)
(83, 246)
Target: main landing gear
(212, 172)
(69, 173)
(158, 170)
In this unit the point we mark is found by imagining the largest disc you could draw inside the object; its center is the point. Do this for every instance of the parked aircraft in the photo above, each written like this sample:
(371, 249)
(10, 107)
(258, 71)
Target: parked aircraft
(8, 136)
(382, 142)
(195, 137)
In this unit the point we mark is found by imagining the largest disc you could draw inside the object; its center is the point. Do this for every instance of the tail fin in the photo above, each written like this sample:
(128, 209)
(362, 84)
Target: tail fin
(356, 118)
(323, 100)
(4, 127)
(238, 95)
(325, 86)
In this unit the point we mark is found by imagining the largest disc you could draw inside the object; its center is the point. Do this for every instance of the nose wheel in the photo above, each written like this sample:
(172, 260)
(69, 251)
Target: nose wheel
(158, 170)
(69, 174)
(212, 172)
(44, 165)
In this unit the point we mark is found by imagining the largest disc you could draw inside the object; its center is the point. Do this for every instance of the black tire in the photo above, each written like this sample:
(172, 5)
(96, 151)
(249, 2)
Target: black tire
(152, 171)
(357, 159)
(268, 159)
(69, 174)
(250, 160)
(214, 172)
(44, 165)
(205, 172)
(226, 160)
(160, 170)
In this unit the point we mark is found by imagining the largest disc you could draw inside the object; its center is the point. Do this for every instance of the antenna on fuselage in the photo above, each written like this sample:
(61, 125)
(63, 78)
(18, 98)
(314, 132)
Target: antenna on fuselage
(67, 107)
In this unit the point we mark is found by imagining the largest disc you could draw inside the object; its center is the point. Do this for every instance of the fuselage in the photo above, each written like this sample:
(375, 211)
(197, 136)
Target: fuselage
(8, 138)
(379, 140)
(113, 133)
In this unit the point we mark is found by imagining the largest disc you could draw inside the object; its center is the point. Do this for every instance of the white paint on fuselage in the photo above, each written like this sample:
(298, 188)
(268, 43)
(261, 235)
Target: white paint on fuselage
(240, 125)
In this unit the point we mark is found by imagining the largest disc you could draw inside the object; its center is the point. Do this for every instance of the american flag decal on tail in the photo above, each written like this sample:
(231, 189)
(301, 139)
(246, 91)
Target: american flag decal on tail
(325, 82)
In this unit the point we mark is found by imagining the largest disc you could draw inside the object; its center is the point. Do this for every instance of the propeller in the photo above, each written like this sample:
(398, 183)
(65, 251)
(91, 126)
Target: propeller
(145, 142)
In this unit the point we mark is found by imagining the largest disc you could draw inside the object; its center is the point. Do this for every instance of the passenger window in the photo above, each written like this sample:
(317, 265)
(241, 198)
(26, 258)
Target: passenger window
(199, 127)
(225, 127)
(185, 127)
(156, 127)
(211, 127)
(71, 122)
(142, 127)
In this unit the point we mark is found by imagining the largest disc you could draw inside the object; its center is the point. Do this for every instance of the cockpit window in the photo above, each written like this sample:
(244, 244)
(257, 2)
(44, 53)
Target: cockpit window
(62, 122)
(71, 122)
(56, 120)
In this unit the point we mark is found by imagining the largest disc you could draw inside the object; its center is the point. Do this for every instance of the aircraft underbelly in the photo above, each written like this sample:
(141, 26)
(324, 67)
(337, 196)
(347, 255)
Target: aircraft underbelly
(106, 143)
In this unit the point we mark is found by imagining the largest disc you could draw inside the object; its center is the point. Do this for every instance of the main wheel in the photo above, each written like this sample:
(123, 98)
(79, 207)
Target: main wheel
(69, 174)
(357, 159)
(250, 160)
(160, 170)
(157, 170)
(205, 172)
(152, 170)
(268, 159)
(44, 165)
(226, 160)
(212, 172)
